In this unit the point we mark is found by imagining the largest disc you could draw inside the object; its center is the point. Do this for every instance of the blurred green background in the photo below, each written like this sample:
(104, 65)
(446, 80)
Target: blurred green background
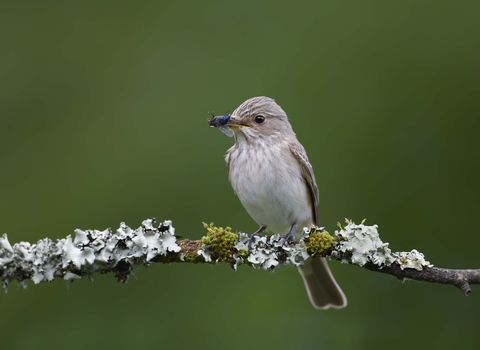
(103, 108)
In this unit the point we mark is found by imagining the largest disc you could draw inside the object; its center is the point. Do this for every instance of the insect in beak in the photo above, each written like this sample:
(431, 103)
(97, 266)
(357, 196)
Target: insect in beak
(221, 122)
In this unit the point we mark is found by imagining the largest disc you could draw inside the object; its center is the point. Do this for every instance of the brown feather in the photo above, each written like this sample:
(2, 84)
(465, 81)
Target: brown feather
(301, 156)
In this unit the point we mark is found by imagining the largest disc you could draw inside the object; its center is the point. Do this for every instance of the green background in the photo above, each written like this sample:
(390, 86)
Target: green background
(103, 108)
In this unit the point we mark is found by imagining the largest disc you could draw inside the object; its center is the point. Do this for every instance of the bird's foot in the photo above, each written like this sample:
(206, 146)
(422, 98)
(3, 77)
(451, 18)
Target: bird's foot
(288, 238)
(251, 239)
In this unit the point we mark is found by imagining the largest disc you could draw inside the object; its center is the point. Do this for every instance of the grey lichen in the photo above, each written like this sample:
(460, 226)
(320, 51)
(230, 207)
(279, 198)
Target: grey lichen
(267, 252)
(411, 260)
(361, 244)
(89, 252)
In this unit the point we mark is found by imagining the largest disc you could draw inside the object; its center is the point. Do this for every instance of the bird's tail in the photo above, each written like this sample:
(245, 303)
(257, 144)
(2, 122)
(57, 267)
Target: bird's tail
(322, 289)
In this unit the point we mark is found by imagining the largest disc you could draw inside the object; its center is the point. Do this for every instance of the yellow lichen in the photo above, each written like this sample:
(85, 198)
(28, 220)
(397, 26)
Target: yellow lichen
(320, 243)
(220, 241)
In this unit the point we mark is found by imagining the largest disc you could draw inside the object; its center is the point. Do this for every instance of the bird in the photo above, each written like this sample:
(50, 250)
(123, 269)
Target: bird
(269, 171)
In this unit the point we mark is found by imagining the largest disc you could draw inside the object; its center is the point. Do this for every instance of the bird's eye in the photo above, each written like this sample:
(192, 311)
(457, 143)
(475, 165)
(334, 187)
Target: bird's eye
(259, 119)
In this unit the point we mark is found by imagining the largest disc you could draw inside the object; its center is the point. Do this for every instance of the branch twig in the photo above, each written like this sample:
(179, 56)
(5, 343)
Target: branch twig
(93, 251)
(462, 279)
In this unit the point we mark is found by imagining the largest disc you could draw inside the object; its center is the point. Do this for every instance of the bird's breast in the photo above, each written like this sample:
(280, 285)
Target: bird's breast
(269, 183)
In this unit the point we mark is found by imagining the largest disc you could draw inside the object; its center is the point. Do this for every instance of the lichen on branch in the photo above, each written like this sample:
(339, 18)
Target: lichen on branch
(93, 251)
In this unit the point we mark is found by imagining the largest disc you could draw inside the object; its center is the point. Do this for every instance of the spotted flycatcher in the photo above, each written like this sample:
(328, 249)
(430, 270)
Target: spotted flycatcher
(270, 172)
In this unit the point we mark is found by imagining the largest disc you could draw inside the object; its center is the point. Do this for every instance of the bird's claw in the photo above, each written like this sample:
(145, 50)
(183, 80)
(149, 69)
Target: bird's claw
(251, 239)
(288, 238)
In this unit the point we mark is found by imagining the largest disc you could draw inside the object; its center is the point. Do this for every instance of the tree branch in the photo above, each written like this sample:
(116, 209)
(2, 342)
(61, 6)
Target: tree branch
(93, 251)
(458, 278)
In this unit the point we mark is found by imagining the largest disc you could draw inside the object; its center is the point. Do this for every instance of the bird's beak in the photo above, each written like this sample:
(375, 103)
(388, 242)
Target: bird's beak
(234, 123)
(226, 123)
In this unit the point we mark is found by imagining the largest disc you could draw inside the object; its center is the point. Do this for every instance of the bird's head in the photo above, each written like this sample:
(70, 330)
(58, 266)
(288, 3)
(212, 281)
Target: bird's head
(258, 117)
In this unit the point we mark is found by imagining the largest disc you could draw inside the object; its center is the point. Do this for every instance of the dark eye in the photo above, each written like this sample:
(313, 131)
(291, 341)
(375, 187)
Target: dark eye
(259, 119)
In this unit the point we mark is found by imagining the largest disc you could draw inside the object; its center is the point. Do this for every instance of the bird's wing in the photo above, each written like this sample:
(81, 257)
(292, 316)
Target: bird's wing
(301, 156)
